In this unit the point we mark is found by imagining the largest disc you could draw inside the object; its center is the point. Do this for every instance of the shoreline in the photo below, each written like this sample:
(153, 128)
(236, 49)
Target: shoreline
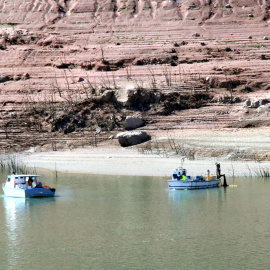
(122, 161)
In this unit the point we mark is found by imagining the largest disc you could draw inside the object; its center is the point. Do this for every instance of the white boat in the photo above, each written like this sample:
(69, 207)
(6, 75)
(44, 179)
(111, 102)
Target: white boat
(26, 185)
(181, 181)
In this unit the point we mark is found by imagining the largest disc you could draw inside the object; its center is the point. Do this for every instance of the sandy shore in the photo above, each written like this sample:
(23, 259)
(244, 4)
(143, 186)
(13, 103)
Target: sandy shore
(110, 161)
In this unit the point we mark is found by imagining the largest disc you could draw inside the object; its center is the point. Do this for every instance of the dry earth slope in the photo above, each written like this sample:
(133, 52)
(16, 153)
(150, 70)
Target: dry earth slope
(200, 64)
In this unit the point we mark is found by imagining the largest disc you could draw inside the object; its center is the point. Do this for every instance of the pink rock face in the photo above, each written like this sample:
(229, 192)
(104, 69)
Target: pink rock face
(72, 51)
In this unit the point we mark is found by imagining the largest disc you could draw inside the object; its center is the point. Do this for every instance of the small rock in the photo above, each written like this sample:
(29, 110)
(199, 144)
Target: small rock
(100, 66)
(25, 76)
(211, 81)
(264, 102)
(46, 41)
(237, 100)
(196, 35)
(230, 84)
(248, 103)
(3, 45)
(98, 130)
(80, 79)
(107, 95)
(255, 104)
(17, 77)
(4, 78)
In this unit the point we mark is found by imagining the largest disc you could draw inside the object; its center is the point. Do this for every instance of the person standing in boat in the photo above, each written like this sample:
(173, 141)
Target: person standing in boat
(179, 174)
(30, 182)
(175, 175)
(208, 175)
(184, 175)
(218, 170)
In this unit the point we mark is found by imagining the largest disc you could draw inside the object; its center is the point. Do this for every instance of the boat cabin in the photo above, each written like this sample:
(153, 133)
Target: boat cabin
(21, 181)
(180, 174)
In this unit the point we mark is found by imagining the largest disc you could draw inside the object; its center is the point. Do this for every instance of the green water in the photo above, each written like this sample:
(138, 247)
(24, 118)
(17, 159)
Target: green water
(137, 223)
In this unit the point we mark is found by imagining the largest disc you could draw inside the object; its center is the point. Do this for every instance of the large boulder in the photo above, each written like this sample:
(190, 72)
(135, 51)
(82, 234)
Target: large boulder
(129, 138)
(125, 96)
(133, 122)
(135, 96)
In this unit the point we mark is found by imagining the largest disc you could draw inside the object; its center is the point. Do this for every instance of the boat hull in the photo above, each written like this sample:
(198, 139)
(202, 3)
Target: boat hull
(193, 184)
(33, 192)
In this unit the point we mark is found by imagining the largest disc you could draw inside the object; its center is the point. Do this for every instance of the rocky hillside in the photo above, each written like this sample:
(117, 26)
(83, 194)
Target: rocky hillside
(71, 71)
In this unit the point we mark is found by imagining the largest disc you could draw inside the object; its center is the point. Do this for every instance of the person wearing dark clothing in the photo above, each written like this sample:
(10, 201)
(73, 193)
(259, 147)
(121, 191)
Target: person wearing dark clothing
(218, 170)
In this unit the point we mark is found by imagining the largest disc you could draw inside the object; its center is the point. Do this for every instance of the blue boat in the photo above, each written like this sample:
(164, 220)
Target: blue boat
(180, 180)
(26, 185)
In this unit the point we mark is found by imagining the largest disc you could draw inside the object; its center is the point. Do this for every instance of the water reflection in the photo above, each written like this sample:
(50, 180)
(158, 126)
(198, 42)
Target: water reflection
(176, 196)
(17, 223)
(182, 196)
(14, 208)
(193, 206)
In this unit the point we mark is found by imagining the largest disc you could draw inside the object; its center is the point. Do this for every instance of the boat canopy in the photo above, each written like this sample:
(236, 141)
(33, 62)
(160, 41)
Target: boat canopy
(24, 175)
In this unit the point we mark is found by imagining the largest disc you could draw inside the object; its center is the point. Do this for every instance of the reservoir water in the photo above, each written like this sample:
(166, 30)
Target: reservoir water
(103, 222)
